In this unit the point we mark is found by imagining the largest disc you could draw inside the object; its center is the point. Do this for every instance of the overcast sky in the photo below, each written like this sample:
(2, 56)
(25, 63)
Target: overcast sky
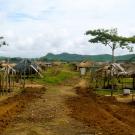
(35, 27)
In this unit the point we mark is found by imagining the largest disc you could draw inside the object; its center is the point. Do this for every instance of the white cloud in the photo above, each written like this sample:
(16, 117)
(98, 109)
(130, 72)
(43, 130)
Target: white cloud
(35, 27)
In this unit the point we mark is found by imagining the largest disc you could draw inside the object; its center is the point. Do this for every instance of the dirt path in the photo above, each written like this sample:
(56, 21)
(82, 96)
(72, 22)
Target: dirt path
(48, 115)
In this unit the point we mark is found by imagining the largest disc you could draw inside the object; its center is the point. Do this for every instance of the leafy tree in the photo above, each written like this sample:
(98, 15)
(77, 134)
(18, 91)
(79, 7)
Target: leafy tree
(111, 38)
(2, 42)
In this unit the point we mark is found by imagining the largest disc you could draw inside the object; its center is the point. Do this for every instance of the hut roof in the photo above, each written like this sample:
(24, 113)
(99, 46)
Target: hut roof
(26, 66)
(57, 63)
(85, 64)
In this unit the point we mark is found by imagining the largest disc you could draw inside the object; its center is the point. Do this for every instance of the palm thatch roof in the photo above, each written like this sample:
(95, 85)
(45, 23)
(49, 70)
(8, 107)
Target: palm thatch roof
(85, 64)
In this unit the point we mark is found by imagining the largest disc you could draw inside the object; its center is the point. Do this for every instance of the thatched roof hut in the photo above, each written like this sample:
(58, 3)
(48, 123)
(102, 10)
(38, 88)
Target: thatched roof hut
(85, 64)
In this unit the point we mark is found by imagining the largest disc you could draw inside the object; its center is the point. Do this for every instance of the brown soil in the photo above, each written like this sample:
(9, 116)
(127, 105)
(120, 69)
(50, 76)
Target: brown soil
(12, 106)
(103, 114)
(62, 110)
(47, 115)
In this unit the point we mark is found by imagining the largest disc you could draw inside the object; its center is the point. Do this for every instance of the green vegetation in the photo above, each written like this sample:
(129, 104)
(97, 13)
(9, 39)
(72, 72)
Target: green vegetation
(56, 75)
(76, 57)
(108, 92)
(111, 38)
(2, 41)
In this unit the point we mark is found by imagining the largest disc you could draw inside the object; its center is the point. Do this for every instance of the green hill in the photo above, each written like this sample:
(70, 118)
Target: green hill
(76, 57)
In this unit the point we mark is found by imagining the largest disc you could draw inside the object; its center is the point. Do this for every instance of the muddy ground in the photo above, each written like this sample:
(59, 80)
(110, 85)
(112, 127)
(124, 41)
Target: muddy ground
(103, 114)
(46, 114)
(63, 110)
(12, 106)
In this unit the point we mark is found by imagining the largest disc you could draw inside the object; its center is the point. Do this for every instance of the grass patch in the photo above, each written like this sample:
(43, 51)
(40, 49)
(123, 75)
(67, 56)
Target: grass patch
(108, 92)
(56, 76)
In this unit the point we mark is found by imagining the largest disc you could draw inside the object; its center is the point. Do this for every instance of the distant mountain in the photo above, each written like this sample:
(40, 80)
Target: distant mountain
(129, 57)
(76, 57)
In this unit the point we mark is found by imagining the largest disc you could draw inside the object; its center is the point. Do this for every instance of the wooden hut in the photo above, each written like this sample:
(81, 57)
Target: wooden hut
(84, 67)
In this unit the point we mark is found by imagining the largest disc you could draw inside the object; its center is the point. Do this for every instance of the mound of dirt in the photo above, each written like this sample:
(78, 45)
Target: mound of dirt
(13, 105)
(83, 88)
(103, 114)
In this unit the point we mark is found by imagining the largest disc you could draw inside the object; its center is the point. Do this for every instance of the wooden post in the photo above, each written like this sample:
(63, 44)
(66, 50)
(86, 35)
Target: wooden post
(104, 80)
(6, 89)
(0, 84)
(9, 83)
(2, 81)
(133, 82)
(112, 89)
(24, 74)
(133, 88)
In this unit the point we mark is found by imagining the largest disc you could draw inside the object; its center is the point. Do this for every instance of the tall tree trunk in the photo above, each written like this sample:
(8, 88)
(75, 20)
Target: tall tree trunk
(113, 59)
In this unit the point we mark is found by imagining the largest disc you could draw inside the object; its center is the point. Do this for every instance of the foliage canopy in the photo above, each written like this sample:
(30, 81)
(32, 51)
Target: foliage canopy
(110, 37)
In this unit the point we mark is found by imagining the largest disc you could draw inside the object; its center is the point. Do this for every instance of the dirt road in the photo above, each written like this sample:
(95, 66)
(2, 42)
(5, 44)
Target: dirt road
(58, 110)
(48, 115)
